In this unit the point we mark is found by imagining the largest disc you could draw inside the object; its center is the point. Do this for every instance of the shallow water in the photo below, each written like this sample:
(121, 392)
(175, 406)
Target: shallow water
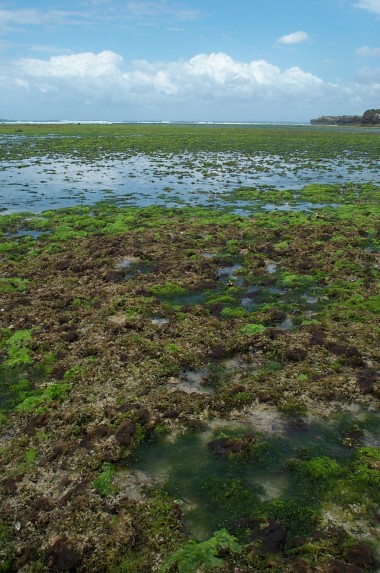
(187, 178)
(191, 382)
(27, 233)
(227, 274)
(159, 320)
(216, 490)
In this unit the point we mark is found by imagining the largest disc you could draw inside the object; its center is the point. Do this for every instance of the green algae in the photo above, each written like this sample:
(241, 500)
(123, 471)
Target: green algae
(17, 349)
(99, 364)
(103, 484)
(14, 284)
(226, 488)
(251, 329)
(89, 142)
(50, 394)
(194, 555)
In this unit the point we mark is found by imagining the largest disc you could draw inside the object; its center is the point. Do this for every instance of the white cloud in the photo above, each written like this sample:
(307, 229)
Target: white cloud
(47, 48)
(367, 52)
(85, 65)
(369, 76)
(21, 83)
(370, 5)
(33, 16)
(212, 84)
(99, 11)
(216, 75)
(221, 69)
(147, 9)
(28, 16)
(294, 38)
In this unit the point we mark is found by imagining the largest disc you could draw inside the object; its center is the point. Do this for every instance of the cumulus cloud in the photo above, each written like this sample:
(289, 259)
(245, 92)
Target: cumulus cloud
(220, 74)
(215, 74)
(294, 38)
(367, 52)
(370, 5)
(206, 83)
(86, 65)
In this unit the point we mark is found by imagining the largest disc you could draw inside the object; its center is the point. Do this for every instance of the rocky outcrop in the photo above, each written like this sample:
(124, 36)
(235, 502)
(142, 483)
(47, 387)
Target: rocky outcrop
(369, 117)
(337, 120)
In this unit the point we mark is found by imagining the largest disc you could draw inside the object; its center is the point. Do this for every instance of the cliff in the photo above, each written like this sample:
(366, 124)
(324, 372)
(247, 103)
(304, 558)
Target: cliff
(369, 117)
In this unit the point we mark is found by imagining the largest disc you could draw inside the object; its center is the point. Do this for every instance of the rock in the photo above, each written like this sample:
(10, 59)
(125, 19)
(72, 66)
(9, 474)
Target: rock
(275, 316)
(350, 352)
(36, 422)
(318, 338)
(126, 433)
(229, 446)
(337, 120)
(114, 276)
(298, 425)
(70, 336)
(367, 379)
(338, 566)
(361, 555)
(143, 417)
(42, 504)
(58, 372)
(295, 354)
(300, 566)
(219, 351)
(10, 484)
(86, 444)
(273, 538)
(171, 414)
(62, 555)
(369, 117)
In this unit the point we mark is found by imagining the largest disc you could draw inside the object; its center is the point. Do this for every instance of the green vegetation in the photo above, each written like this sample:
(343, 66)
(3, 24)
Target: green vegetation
(15, 284)
(251, 329)
(239, 329)
(193, 555)
(17, 346)
(168, 290)
(52, 393)
(91, 142)
(366, 471)
(294, 408)
(103, 484)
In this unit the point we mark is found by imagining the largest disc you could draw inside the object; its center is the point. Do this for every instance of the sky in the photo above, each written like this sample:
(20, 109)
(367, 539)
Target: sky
(188, 60)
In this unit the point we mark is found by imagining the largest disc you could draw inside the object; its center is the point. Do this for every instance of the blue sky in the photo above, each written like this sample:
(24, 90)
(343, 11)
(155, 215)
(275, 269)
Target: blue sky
(209, 60)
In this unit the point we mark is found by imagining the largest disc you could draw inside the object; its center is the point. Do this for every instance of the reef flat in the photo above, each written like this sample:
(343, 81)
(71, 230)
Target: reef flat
(193, 387)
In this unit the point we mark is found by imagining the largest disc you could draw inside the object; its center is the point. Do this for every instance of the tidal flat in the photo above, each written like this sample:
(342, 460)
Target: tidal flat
(189, 347)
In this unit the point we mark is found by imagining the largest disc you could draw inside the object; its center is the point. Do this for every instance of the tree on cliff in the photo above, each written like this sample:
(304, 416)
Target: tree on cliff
(371, 117)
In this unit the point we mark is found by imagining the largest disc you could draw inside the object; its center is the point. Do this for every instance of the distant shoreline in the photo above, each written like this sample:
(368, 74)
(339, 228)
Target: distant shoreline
(163, 122)
(371, 117)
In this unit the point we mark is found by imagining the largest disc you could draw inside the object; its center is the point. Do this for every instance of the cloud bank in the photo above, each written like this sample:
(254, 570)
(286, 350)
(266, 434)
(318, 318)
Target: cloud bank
(204, 73)
(205, 83)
